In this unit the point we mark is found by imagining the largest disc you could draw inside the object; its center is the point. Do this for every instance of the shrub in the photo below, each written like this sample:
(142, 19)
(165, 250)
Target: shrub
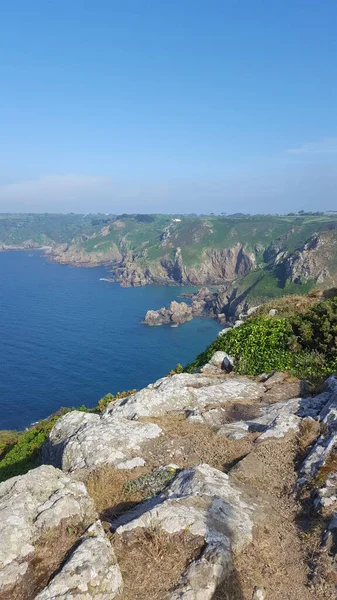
(260, 344)
(25, 453)
(103, 402)
(179, 369)
(304, 344)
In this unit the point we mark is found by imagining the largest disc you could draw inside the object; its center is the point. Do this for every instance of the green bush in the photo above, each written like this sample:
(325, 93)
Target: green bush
(24, 455)
(304, 344)
(103, 402)
(258, 345)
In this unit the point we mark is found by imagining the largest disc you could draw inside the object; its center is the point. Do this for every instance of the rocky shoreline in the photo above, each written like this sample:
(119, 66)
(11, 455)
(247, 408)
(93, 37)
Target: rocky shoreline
(204, 303)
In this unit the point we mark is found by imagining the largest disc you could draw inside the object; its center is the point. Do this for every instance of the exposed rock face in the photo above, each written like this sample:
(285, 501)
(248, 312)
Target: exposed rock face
(209, 504)
(312, 261)
(73, 255)
(85, 441)
(202, 303)
(184, 392)
(327, 442)
(177, 312)
(33, 507)
(91, 570)
(215, 267)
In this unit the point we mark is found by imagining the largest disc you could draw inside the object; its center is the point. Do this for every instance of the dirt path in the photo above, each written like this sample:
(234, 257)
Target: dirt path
(278, 560)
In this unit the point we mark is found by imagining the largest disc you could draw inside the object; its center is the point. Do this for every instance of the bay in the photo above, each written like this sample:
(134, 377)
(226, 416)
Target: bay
(67, 338)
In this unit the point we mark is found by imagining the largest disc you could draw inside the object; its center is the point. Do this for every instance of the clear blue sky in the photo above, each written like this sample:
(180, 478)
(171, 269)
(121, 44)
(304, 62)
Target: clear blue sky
(189, 105)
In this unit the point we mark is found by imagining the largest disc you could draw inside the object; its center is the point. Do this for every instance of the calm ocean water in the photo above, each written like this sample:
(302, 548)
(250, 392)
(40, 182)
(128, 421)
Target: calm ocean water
(67, 338)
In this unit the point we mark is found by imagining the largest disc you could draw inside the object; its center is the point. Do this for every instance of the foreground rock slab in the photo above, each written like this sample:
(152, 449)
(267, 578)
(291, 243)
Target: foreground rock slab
(85, 441)
(184, 391)
(207, 503)
(90, 572)
(40, 512)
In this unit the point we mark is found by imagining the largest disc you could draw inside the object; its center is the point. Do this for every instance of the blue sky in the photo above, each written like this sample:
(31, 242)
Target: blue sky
(158, 105)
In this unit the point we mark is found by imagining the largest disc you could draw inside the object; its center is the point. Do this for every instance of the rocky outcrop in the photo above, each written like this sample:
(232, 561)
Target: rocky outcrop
(184, 392)
(76, 256)
(176, 313)
(39, 514)
(84, 441)
(214, 459)
(204, 501)
(90, 572)
(315, 261)
(202, 304)
(214, 267)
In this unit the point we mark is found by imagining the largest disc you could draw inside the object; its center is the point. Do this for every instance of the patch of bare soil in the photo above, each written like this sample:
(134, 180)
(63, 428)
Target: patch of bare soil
(279, 560)
(151, 561)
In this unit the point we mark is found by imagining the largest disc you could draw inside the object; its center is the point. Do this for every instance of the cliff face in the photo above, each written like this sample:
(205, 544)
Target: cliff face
(316, 260)
(215, 267)
(188, 250)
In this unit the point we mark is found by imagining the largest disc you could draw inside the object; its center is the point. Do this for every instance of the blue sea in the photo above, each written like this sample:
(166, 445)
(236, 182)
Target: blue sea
(67, 338)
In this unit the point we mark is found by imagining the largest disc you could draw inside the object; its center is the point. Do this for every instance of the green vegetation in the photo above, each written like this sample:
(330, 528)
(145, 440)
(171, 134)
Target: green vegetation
(103, 402)
(304, 344)
(20, 456)
(150, 241)
(258, 345)
(21, 451)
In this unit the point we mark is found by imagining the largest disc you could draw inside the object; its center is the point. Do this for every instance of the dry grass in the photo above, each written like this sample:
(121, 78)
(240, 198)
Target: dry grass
(327, 469)
(186, 444)
(309, 430)
(106, 488)
(289, 305)
(152, 561)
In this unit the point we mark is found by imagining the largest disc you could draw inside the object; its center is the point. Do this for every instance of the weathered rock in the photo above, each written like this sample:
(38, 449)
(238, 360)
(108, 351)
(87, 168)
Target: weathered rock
(177, 312)
(90, 572)
(224, 331)
(327, 442)
(220, 361)
(32, 505)
(84, 441)
(286, 391)
(238, 323)
(184, 391)
(210, 505)
(275, 420)
(258, 594)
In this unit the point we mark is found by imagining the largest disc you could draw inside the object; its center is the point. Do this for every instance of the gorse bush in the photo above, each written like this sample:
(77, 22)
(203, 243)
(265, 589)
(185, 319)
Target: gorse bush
(304, 344)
